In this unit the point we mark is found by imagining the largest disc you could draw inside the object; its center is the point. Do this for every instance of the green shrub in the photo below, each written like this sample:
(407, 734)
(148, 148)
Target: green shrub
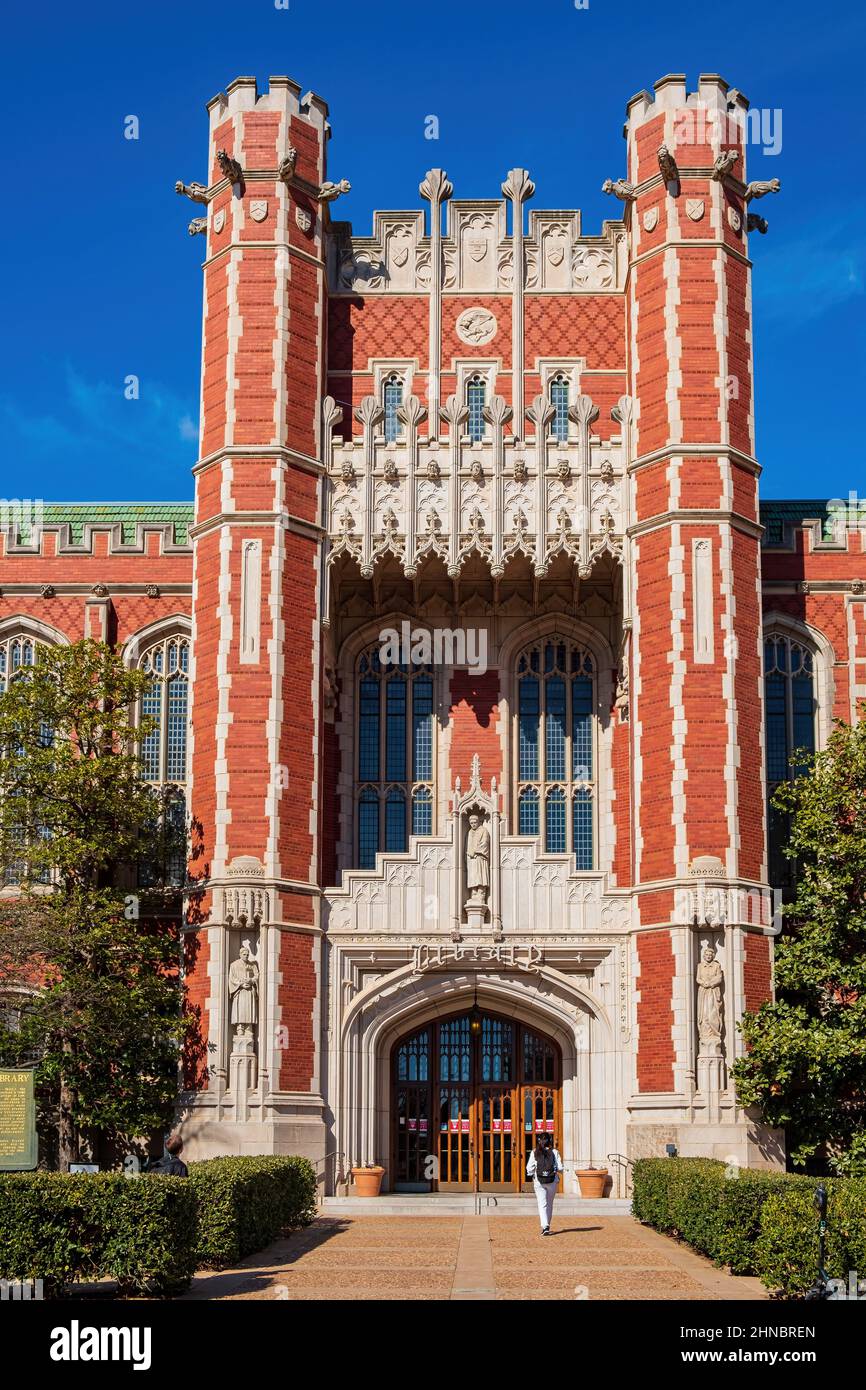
(787, 1247)
(60, 1227)
(699, 1200)
(245, 1203)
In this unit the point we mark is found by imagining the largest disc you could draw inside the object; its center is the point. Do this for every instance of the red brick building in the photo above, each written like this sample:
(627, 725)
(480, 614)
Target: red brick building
(514, 873)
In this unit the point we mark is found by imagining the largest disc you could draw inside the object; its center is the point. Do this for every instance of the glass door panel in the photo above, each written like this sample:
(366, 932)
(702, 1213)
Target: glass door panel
(455, 1136)
(496, 1138)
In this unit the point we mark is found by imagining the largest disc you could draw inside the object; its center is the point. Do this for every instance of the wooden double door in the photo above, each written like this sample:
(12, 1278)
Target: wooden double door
(470, 1095)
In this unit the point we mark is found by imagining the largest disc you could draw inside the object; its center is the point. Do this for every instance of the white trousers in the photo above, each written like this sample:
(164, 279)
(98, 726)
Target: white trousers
(544, 1195)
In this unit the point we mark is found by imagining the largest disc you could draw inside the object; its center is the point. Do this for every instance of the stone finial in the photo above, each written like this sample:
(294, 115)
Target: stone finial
(759, 188)
(197, 191)
(620, 188)
(724, 163)
(436, 186)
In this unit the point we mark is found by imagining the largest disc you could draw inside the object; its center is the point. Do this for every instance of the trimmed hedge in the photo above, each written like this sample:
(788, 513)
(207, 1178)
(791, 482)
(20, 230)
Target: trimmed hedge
(60, 1227)
(245, 1203)
(787, 1248)
(757, 1222)
(151, 1232)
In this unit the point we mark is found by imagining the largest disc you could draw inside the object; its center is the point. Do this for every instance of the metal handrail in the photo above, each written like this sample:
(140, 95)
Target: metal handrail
(623, 1164)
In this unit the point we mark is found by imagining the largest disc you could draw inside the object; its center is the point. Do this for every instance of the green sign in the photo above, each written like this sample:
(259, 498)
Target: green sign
(18, 1143)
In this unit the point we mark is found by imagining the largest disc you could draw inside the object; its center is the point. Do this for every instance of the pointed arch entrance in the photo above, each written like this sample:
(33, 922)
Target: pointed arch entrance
(470, 1094)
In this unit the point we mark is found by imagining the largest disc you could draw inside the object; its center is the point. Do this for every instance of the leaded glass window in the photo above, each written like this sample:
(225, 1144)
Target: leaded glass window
(789, 687)
(392, 400)
(559, 401)
(476, 394)
(395, 758)
(16, 654)
(165, 703)
(556, 773)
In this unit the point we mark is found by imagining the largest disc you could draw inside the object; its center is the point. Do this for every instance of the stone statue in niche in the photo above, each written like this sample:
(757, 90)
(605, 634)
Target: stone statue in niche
(244, 995)
(709, 981)
(477, 860)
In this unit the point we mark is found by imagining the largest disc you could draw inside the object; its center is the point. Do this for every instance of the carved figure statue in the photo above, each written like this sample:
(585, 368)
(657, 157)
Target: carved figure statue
(478, 859)
(329, 191)
(667, 165)
(761, 187)
(230, 167)
(197, 191)
(620, 188)
(198, 226)
(244, 989)
(709, 981)
(755, 223)
(724, 163)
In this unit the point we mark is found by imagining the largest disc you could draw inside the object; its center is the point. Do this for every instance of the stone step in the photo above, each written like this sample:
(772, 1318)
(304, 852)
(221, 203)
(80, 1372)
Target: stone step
(464, 1204)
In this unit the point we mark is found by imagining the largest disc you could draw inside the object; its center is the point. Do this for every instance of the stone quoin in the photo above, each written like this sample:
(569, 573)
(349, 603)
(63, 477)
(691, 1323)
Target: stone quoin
(446, 908)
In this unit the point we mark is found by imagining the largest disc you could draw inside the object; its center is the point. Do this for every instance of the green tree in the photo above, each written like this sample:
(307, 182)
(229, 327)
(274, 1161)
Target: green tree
(98, 957)
(806, 1060)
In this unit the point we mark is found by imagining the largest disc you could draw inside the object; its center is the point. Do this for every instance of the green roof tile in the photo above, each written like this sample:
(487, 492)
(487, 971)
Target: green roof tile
(77, 515)
(777, 517)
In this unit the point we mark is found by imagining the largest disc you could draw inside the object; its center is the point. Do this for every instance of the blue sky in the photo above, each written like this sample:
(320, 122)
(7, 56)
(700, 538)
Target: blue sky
(103, 282)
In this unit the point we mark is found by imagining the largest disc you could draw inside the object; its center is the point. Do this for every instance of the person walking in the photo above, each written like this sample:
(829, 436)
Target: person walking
(171, 1164)
(544, 1167)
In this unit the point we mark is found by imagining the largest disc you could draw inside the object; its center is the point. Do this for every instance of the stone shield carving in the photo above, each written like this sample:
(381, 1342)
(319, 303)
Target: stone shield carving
(650, 219)
(219, 220)
(734, 219)
(695, 208)
(258, 209)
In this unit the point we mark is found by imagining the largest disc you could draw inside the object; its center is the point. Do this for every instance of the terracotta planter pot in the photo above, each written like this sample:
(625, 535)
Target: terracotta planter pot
(592, 1181)
(367, 1181)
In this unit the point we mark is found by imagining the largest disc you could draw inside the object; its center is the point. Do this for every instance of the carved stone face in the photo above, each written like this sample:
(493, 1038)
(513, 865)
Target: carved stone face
(709, 954)
(474, 822)
(244, 953)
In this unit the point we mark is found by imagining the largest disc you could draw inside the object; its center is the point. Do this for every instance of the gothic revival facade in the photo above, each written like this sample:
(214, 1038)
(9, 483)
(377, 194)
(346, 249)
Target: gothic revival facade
(475, 659)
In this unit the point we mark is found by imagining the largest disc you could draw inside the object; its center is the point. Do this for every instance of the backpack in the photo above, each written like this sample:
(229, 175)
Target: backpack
(546, 1166)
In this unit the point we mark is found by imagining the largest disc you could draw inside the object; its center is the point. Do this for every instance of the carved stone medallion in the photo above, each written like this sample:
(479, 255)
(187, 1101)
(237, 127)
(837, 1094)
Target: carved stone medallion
(650, 219)
(258, 209)
(734, 219)
(219, 220)
(476, 326)
(303, 218)
(695, 208)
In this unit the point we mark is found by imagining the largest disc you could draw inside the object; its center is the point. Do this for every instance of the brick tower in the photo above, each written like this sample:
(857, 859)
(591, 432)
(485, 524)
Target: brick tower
(254, 951)
(697, 753)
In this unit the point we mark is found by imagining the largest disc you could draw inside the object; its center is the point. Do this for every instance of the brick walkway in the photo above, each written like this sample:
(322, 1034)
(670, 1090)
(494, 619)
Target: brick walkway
(474, 1257)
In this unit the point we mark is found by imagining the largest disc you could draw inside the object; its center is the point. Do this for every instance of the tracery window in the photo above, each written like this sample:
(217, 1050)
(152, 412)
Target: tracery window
(559, 401)
(17, 652)
(791, 707)
(395, 759)
(476, 395)
(555, 754)
(392, 400)
(164, 750)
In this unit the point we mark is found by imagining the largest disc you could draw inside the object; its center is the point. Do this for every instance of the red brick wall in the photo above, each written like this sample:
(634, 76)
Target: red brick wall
(297, 992)
(473, 717)
(655, 1016)
(757, 970)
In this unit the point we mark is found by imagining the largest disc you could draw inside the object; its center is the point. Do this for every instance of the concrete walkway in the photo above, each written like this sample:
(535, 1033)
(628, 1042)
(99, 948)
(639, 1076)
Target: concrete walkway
(474, 1258)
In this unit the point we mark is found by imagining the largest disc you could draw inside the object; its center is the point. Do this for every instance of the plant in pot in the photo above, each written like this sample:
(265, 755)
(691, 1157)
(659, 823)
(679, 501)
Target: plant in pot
(367, 1178)
(593, 1181)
